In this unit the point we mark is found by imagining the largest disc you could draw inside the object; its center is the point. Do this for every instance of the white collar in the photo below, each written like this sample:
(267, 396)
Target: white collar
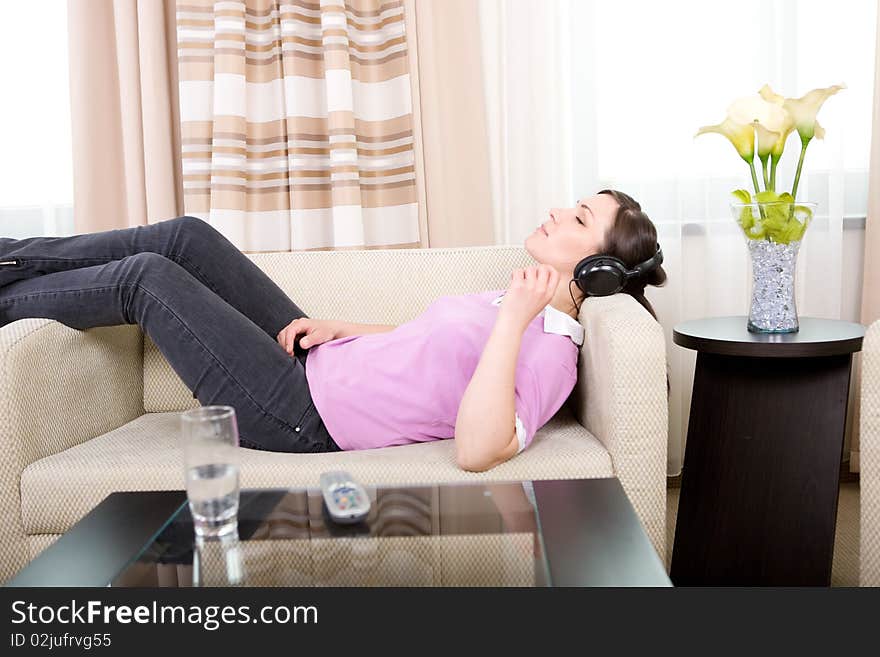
(556, 321)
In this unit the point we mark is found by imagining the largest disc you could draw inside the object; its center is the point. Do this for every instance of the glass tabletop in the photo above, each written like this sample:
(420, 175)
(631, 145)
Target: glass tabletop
(463, 535)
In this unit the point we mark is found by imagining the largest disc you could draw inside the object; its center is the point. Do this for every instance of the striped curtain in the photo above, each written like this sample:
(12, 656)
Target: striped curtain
(296, 123)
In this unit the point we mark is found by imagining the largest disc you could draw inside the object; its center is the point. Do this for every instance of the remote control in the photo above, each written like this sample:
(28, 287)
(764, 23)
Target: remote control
(345, 499)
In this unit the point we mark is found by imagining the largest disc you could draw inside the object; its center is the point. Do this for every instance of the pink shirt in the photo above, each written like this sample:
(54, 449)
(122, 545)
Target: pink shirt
(405, 386)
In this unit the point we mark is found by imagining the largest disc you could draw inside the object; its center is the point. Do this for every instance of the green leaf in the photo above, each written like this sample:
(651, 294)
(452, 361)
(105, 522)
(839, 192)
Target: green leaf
(768, 196)
(805, 215)
(775, 222)
(780, 219)
(805, 210)
(742, 195)
(791, 231)
(746, 216)
(753, 230)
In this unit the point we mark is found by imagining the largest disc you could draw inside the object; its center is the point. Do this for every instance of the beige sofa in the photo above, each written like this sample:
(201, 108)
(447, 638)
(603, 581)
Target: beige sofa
(869, 459)
(86, 413)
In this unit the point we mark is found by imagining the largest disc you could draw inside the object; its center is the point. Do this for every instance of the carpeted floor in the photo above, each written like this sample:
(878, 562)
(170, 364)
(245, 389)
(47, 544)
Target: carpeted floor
(844, 569)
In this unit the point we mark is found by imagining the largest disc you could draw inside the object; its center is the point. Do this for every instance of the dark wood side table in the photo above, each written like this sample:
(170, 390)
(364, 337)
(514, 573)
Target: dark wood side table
(759, 486)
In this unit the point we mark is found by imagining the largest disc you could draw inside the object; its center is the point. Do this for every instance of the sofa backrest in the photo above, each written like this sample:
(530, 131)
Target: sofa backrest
(374, 286)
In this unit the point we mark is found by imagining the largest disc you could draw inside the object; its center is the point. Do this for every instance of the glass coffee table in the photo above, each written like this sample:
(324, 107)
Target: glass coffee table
(580, 532)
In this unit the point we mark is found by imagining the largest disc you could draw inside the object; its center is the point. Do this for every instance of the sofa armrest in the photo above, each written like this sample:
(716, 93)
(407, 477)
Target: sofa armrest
(869, 459)
(621, 398)
(59, 387)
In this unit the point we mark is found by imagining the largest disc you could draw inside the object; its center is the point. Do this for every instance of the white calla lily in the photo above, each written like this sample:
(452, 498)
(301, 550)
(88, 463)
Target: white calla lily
(741, 135)
(750, 109)
(805, 108)
(802, 115)
(769, 120)
(787, 125)
(767, 140)
(771, 96)
(802, 111)
(761, 125)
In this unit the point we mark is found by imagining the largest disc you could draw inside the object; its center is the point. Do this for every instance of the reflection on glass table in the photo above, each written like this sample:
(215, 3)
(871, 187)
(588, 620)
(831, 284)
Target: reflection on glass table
(478, 535)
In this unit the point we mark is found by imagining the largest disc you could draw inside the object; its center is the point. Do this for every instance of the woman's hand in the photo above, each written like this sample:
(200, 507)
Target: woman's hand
(531, 289)
(316, 331)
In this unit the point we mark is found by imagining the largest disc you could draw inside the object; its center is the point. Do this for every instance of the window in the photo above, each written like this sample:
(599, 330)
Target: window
(36, 171)
(662, 70)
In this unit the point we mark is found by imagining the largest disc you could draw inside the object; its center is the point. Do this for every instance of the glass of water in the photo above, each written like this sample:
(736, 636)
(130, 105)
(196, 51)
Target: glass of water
(218, 561)
(209, 437)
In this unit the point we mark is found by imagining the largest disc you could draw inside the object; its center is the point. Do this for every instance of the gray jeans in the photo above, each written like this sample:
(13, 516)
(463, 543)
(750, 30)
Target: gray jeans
(209, 309)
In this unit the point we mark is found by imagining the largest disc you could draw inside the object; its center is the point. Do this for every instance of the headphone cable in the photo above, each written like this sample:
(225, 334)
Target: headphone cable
(574, 303)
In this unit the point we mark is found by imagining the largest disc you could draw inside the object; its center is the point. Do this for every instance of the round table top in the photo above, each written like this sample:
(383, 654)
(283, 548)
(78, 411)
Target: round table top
(729, 336)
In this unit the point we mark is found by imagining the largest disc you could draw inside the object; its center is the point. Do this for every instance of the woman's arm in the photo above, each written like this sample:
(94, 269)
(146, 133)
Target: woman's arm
(485, 427)
(345, 329)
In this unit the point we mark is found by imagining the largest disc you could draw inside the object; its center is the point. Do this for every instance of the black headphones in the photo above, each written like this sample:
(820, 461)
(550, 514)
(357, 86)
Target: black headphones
(601, 275)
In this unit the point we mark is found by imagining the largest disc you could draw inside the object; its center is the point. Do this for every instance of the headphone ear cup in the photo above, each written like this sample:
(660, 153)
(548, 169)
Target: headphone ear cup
(600, 275)
(581, 271)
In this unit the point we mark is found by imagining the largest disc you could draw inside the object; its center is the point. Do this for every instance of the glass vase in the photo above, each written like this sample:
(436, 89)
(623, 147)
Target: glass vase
(773, 233)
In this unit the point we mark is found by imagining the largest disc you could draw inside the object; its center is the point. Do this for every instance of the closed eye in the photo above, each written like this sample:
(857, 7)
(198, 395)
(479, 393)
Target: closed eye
(576, 205)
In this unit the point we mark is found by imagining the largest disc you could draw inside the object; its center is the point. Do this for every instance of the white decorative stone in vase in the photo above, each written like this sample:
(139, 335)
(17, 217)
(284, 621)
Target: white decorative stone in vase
(773, 232)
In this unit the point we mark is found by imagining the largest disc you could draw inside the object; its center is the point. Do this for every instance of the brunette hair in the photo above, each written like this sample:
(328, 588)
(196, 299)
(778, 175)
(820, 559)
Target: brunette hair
(632, 238)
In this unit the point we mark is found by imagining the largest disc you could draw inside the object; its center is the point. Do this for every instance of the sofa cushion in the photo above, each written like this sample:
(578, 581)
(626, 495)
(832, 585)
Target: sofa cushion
(58, 490)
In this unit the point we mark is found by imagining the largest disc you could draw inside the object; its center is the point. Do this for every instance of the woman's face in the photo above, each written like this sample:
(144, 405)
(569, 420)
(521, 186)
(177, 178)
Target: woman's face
(567, 235)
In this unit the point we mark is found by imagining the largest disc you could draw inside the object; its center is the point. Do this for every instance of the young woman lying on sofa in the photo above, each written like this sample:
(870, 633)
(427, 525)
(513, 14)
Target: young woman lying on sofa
(488, 368)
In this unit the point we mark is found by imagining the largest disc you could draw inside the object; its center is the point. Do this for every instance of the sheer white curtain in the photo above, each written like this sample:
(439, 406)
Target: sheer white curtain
(36, 170)
(587, 94)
